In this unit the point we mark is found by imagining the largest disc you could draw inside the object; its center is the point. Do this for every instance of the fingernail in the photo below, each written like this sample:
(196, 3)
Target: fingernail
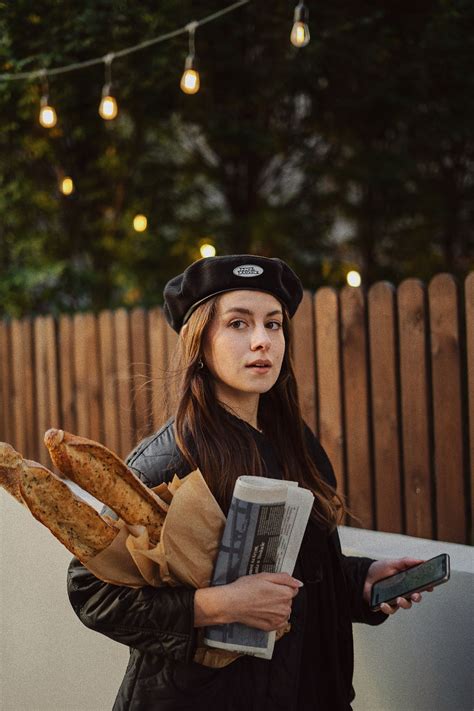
(298, 582)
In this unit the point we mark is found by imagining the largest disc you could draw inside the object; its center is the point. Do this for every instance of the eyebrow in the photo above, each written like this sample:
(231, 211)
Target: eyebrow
(238, 310)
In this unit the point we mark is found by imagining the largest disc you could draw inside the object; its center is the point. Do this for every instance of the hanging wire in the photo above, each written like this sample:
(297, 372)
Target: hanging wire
(123, 52)
(43, 76)
(169, 35)
(108, 59)
(191, 27)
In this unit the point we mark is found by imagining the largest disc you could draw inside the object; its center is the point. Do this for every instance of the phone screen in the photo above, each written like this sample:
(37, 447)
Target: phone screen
(419, 576)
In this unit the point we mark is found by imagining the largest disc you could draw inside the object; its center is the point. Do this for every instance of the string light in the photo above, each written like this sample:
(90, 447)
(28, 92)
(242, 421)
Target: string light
(55, 71)
(353, 278)
(108, 108)
(207, 250)
(67, 186)
(300, 32)
(140, 223)
(190, 81)
(47, 114)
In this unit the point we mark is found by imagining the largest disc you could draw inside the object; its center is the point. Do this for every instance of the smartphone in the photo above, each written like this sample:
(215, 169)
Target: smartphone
(424, 575)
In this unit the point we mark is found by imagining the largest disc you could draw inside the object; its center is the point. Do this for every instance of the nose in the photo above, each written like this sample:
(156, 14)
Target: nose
(260, 339)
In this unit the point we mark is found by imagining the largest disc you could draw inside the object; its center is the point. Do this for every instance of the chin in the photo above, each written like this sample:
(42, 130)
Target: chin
(260, 389)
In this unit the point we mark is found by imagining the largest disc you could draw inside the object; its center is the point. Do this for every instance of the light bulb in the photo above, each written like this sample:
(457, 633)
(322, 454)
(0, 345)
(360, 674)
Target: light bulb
(190, 82)
(353, 278)
(67, 186)
(47, 115)
(140, 223)
(300, 32)
(108, 108)
(207, 250)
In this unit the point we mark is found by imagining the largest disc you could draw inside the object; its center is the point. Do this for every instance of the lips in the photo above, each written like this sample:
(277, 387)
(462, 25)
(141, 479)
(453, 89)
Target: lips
(260, 365)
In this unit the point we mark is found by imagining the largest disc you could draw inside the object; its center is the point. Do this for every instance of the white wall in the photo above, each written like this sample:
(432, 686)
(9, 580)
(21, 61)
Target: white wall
(49, 661)
(417, 660)
(420, 659)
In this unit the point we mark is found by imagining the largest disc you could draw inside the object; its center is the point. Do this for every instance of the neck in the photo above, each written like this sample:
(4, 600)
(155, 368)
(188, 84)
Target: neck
(243, 405)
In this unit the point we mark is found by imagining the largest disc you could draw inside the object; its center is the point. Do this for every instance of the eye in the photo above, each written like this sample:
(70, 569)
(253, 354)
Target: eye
(237, 324)
(274, 325)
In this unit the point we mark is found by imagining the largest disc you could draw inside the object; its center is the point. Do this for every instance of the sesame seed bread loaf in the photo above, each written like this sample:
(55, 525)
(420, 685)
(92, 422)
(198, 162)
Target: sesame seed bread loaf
(74, 523)
(100, 472)
(10, 470)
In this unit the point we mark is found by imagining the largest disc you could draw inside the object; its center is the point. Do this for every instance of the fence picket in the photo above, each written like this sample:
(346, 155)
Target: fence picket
(447, 408)
(174, 376)
(68, 419)
(415, 418)
(22, 403)
(304, 358)
(29, 389)
(46, 364)
(108, 379)
(123, 356)
(6, 385)
(385, 416)
(86, 366)
(469, 296)
(140, 371)
(354, 360)
(159, 368)
(329, 380)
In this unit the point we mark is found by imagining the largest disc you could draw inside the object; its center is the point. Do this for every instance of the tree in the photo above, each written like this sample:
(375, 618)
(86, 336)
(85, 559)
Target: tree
(357, 149)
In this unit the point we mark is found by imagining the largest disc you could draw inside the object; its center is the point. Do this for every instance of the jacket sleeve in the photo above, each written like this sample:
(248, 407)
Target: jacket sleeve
(355, 568)
(355, 571)
(156, 620)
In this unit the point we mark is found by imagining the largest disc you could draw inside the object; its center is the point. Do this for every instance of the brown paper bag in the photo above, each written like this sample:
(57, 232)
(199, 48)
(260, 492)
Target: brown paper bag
(185, 555)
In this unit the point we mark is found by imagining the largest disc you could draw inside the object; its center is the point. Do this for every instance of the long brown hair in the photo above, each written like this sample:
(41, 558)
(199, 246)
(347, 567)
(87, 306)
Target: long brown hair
(222, 448)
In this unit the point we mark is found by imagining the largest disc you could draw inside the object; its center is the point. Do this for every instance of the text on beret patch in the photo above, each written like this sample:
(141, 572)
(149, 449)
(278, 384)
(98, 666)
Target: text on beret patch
(248, 270)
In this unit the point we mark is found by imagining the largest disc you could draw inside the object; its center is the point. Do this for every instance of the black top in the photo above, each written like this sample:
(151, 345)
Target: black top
(312, 665)
(306, 670)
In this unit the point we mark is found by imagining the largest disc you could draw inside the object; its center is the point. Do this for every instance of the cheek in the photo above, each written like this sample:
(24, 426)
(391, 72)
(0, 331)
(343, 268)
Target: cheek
(280, 345)
(222, 351)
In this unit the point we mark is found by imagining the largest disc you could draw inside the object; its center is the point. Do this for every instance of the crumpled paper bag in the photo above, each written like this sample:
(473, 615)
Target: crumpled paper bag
(185, 555)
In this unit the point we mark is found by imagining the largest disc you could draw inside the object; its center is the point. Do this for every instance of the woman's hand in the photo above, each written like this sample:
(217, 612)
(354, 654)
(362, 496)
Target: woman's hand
(382, 569)
(263, 601)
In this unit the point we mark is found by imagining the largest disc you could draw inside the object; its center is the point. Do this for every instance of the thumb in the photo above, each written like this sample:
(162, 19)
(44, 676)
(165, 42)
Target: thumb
(408, 562)
(284, 579)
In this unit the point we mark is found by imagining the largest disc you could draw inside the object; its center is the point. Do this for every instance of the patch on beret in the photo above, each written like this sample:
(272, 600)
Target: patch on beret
(211, 276)
(248, 270)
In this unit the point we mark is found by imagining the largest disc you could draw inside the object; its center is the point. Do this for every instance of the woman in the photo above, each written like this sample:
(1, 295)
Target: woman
(238, 413)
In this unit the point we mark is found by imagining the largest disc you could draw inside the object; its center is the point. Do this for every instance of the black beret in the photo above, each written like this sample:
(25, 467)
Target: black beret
(215, 275)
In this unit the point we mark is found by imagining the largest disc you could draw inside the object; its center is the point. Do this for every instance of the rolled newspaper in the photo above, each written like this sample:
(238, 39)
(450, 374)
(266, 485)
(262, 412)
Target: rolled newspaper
(263, 533)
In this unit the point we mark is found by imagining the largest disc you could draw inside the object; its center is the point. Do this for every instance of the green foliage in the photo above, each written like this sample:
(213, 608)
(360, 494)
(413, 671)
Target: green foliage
(354, 151)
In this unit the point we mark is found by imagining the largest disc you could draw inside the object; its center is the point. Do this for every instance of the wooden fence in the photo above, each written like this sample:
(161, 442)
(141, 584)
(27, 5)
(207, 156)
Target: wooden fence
(386, 380)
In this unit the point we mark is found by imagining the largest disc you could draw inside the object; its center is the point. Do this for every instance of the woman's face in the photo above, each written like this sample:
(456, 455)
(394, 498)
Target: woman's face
(244, 345)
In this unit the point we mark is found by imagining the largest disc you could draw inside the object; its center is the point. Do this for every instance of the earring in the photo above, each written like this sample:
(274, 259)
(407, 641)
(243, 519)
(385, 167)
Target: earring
(200, 364)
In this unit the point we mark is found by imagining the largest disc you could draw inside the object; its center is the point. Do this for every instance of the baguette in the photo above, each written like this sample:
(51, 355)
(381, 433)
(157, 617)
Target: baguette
(100, 472)
(74, 523)
(10, 470)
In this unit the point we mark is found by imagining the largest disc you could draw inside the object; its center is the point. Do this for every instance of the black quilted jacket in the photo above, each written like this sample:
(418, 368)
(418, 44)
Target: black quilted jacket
(312, 665)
